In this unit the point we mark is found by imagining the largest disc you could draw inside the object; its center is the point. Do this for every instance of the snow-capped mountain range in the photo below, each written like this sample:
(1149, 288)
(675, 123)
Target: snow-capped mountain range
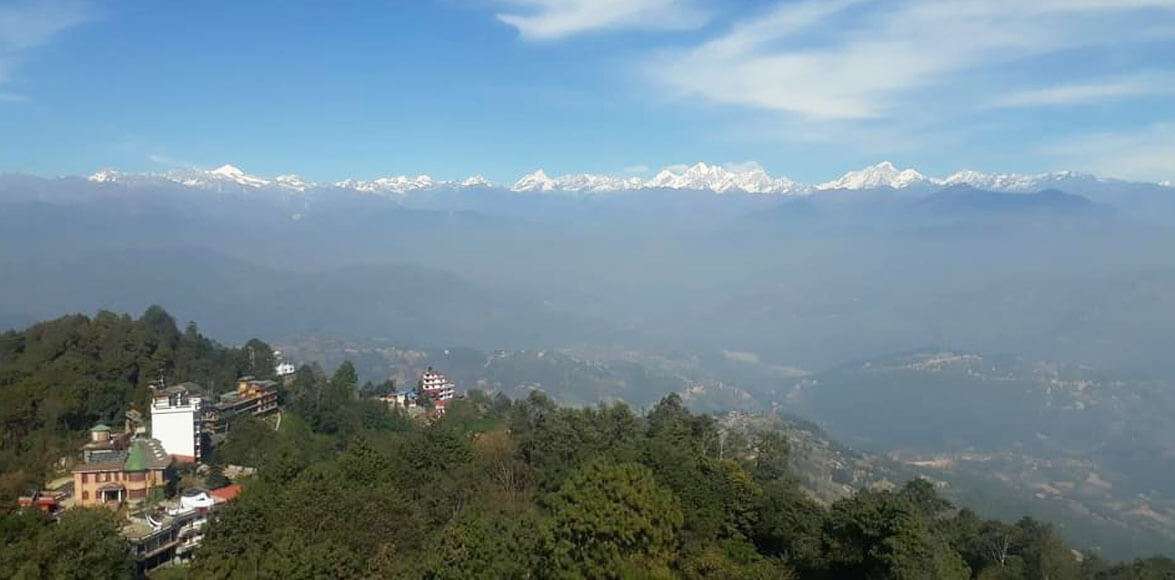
(699, 176)
(230, 175)
(883, 174)
(747, 178)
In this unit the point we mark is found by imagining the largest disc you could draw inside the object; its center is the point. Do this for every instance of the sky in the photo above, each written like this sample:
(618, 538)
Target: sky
(809, 89)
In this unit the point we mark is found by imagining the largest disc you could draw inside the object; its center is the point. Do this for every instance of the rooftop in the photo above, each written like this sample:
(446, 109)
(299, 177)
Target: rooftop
(180, 389)
(226, 493)
(143, 454)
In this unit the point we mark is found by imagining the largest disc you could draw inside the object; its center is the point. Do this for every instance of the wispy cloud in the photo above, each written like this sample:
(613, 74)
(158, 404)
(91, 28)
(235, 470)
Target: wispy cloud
(556, 19)
(169, 161)
(857, 59)
(1144, 154)
(1089, 92)
(32, 23)
(12, 97)
(28, 24)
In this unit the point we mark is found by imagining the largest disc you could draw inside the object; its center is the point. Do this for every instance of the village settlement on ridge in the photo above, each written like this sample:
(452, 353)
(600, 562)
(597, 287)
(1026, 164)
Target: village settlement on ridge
(136, 470)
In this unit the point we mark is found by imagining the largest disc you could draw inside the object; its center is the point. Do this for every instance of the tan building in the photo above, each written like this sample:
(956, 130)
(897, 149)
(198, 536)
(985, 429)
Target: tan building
(113, 476)
(103, 439)
(252, 397)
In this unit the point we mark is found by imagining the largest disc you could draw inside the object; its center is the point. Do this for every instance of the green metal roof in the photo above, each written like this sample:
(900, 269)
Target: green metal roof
(146, 454)
(136, 459)
(100, 427)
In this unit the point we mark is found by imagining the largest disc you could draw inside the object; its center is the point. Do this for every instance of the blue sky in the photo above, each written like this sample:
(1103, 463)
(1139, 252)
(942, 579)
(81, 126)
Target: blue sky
(808, 88)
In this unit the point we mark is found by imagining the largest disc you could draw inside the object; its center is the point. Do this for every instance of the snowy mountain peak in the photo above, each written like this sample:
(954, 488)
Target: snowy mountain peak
(105, 176)
(398, 184)
(295, 182)
(1015, 182)
(746, 178)
(883, 174)
(749, 178)
(578, 182)
(228, 170)
(234, 174)
(476, 181)
(536, 181)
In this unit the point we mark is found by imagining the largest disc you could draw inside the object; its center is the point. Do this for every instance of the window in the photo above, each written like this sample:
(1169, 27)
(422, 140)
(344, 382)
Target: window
(85, 476)
(137, 476)
(85, 495)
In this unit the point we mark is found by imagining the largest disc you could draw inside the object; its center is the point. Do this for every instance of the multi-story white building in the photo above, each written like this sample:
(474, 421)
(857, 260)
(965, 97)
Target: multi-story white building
(436, 386)
(176, 418)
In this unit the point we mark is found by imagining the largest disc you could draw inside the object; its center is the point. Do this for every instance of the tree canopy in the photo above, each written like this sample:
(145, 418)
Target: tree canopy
(495, 488)
(59, 378)
(500, 488)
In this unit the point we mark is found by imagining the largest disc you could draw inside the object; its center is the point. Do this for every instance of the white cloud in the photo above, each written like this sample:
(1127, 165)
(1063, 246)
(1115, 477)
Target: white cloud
(555, 19)
(857, 59)
(742, 166)
(1146, 154)
(32, 23)
(1089, 92)
(169, 161)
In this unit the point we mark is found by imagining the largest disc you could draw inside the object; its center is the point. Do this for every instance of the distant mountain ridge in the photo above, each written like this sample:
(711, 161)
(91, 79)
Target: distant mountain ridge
(966, 197)
(749, 178)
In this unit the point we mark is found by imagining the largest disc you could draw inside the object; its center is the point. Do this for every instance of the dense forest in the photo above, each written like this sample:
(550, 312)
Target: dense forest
(495, 488)
(526, 488)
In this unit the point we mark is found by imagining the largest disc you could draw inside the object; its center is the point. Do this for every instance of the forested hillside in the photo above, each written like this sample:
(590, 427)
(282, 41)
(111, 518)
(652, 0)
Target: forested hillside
(496, 487)
(501, 488)
(59, 378)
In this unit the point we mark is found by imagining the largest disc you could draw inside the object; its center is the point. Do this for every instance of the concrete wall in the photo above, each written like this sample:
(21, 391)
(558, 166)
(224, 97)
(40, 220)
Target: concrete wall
(177, 429)
(86, 485)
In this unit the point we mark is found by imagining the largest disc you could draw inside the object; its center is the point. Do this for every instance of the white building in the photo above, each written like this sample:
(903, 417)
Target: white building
(437, 386)
(176, 417)
(284, 370)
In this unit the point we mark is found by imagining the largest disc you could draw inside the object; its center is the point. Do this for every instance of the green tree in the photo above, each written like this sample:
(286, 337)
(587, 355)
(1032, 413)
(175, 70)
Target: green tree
(880, 535)
(497, 544)
(789, 526)
(605, 516)
(1044, 554)
(733, 559)
(58, 378)
(1158, 568)
(345, 379)
(772, 453)
(258, 360)
(85, 543)
(216, 479)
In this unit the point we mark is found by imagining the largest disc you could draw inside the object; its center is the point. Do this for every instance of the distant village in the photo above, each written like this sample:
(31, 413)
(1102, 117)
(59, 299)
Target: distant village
(142, 468)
